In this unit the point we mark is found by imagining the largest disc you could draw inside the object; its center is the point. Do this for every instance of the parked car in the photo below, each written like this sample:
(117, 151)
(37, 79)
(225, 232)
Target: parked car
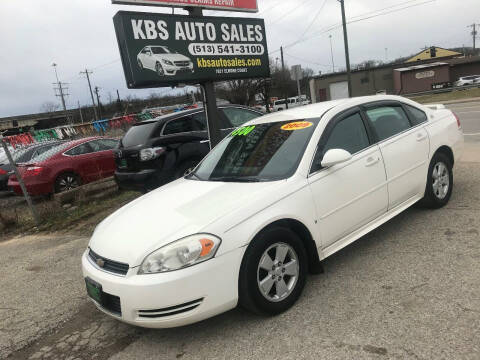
(22, 156)
(163, 61)
(279, 105)
(157, 151)
(468, 80)
(66, 166)
(268, 204)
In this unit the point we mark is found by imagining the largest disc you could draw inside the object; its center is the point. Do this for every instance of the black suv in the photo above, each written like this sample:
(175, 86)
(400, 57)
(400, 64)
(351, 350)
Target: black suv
(154, 152)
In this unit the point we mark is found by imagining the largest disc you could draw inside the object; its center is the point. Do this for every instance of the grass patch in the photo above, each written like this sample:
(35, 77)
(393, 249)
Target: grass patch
(448, 96)
(78, 219)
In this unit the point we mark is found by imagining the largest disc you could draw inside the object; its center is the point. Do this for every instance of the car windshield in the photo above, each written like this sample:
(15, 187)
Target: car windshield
(162, 50)
(138, 134)
(262, 152)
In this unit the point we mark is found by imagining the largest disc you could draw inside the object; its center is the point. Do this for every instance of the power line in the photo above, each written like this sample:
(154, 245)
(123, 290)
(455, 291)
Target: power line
(305, 60)
(314, 18)
(289, 12)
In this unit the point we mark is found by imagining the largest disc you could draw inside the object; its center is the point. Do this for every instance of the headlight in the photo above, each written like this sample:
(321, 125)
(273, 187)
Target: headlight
(180, 254)
(167, 62)
(151, 153)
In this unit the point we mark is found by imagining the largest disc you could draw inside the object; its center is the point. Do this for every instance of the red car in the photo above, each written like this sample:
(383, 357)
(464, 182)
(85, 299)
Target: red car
(67, 166)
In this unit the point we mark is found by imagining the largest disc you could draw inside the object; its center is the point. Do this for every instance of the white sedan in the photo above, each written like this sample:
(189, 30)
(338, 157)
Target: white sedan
(267, 205)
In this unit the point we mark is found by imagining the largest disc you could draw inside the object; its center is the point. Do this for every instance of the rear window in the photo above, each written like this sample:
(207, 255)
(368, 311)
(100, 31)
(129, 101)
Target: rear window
(49, 153)
(138, 134)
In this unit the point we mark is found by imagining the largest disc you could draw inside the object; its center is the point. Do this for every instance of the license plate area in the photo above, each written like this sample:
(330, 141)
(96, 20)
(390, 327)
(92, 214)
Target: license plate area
(122, 163)
(94, 290)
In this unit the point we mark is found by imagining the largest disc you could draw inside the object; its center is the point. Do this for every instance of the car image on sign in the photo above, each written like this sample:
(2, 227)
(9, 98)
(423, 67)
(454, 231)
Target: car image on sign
(163, 61)
(275, 197)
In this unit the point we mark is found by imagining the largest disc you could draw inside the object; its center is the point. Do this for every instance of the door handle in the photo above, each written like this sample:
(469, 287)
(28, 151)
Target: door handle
(421, 137)
(372, 161)
(204, 141)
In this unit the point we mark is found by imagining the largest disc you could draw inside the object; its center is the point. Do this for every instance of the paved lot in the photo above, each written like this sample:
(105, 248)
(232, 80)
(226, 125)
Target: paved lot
(409, 290)
(469, 114)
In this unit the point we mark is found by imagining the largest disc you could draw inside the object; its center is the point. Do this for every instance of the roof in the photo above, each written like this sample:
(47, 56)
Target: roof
(426, 54)
(423, 66)
(318, 109)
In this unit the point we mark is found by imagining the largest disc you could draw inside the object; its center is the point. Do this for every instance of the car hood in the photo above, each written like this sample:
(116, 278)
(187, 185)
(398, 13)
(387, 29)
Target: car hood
(171, 212)
(172, 57)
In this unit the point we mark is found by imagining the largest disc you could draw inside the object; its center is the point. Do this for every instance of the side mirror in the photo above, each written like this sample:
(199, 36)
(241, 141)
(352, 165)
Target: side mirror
(335, 156)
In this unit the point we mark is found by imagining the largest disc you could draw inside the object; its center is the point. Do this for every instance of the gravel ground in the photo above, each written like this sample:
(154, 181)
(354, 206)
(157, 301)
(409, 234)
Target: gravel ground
(408, 290)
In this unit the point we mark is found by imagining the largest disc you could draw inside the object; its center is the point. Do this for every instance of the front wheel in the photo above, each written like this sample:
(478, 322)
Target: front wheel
(439, 182)
(273, 272)
(159, 69)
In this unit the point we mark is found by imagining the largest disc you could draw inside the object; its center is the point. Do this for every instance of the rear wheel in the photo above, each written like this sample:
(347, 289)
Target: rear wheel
(67, 181)
(273, 272)
(439, 182)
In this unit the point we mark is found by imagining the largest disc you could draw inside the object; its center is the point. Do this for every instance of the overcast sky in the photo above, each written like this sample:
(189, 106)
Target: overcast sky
(79, 34)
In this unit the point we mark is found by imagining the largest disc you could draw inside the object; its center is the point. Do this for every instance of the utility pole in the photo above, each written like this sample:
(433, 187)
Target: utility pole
(386, 54)
(20, 181)
(331, 51)
(347, 55)
(80, 110)
(283, 76)
(209, 98)
(87, 73)
(119, 103)
(59, 91)
(474, 35)
(98, 101)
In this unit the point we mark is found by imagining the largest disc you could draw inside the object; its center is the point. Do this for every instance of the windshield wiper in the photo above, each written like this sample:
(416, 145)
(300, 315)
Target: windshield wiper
(237, 179)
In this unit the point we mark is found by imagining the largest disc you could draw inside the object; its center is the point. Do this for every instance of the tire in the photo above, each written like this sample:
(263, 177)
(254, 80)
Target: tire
(439, 187)
(159, 69)
(140, 65)
(185, 168)
(261, 271)
(67, 181)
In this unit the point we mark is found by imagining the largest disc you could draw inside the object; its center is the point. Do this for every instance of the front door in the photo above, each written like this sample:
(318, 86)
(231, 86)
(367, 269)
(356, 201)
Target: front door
(351, 194)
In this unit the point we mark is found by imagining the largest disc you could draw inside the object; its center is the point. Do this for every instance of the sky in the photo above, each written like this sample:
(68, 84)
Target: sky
(79, 34)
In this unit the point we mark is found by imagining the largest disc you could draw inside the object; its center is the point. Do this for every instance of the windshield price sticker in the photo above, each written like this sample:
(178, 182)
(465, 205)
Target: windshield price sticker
(297, 125)
(166, 50)
(243, 131)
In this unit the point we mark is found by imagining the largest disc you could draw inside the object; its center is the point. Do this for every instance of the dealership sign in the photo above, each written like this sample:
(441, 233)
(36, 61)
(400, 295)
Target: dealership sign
(229, 5)
(165, 50)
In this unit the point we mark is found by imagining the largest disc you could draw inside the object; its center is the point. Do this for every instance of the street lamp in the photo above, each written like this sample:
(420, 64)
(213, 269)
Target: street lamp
(331, 50)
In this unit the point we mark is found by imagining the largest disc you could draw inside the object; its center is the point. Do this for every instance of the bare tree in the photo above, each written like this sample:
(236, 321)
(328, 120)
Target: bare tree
(49, 107)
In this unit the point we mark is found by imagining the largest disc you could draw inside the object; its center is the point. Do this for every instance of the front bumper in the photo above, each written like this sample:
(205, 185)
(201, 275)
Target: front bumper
(174, 69)
(174, 298)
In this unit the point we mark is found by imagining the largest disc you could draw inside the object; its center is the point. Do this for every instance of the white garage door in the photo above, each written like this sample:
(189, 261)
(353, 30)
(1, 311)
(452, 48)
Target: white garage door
(339, 90)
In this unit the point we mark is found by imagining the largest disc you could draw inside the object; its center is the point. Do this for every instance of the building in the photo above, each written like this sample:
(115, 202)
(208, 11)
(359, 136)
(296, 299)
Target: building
(433, 52)
(394, 78)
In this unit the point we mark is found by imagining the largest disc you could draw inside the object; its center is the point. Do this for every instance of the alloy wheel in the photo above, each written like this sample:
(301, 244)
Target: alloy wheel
(440, 180)
(278, 272)
(159, 69)
(68, 182)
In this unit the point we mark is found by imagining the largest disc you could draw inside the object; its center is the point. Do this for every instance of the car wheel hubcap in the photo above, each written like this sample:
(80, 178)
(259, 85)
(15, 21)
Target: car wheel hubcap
(68, 183)
(277, 272)
(159, 69)
(440, 180)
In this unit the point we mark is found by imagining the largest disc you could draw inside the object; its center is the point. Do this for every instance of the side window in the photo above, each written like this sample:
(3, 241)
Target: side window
(105, 144)
(79, 150)
(417, 116)
(388, 121)
(184, 124)
(348, 134)
(237, 117)
(200, 121)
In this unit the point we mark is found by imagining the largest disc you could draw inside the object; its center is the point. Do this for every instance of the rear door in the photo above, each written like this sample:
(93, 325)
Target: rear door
(83, 162)
(405, 147)
(103, 154)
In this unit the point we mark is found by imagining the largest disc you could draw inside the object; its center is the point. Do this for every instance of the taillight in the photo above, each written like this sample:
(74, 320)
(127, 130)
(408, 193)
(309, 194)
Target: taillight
(2, 172)
(33, 171)
(458, 120)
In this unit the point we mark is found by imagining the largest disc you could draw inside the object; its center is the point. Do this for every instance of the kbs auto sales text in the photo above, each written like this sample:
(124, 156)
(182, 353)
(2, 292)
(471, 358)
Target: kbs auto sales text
(196, 31)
